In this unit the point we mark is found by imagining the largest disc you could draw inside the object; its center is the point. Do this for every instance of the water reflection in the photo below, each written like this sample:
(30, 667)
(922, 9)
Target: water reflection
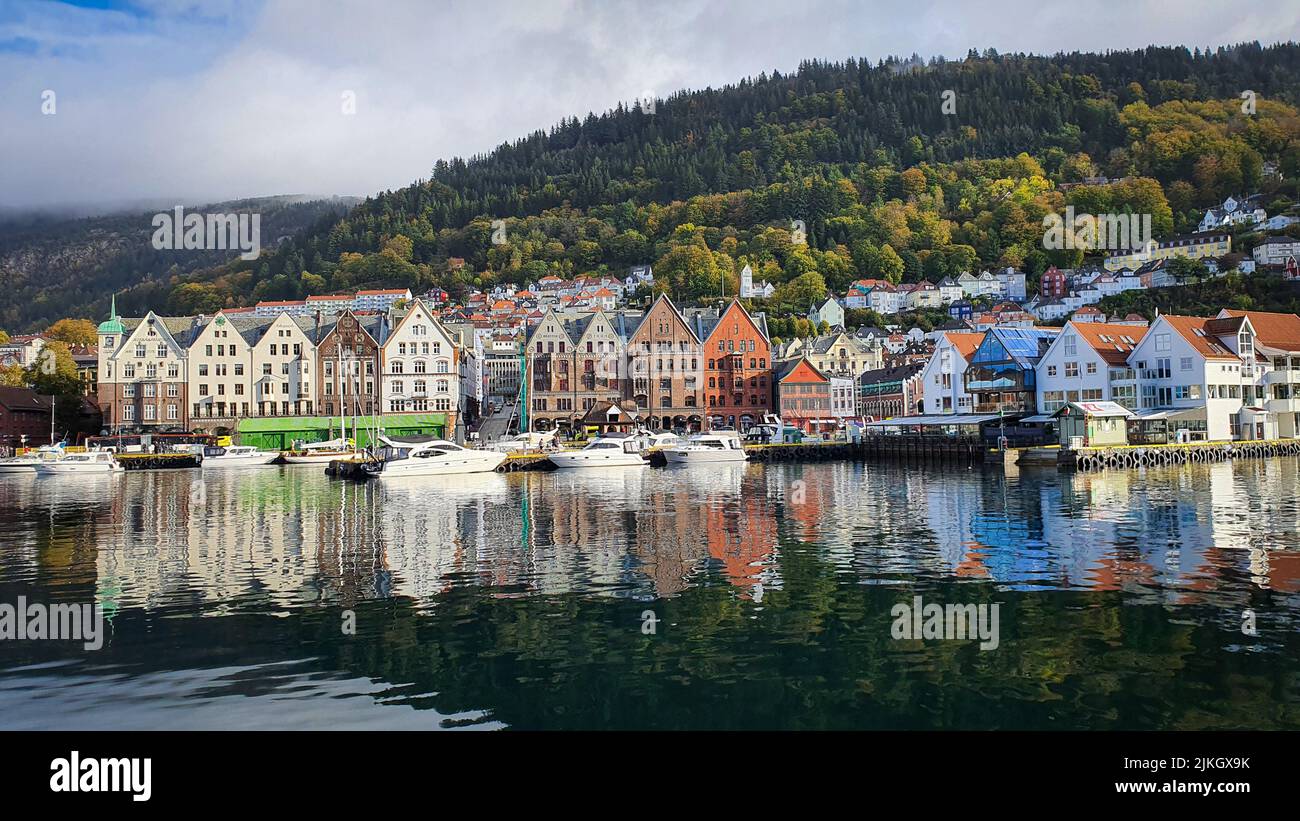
(480, 598)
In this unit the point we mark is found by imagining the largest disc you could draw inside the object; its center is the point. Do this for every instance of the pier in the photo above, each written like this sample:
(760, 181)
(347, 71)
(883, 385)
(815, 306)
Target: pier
(157, 461)
(1136, 456)
(942, 450)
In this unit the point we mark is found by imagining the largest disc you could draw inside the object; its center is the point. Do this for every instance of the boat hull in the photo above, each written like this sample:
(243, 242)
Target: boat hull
(18, 467)
(240, 461)
(703, 457)
(590, 459)
(471, 462)
(318, 458)
(65, 468)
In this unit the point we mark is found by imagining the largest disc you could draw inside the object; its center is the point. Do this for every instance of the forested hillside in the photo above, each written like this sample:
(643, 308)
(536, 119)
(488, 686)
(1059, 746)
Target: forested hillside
(863, 154)
(52, 268)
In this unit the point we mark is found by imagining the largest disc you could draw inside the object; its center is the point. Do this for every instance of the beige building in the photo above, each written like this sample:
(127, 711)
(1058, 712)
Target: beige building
(283, 374)
(837, 354)
(142, 371)
(220, 361)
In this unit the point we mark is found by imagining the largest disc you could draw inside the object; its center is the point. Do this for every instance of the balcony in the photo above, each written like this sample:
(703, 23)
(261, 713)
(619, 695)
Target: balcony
(1291, 405)
(1282, 376)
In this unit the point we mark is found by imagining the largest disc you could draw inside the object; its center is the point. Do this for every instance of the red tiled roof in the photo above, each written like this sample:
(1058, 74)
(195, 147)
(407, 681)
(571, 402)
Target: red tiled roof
(965, 344)
(1113, 348)
(1273, 330)
(1192, 328)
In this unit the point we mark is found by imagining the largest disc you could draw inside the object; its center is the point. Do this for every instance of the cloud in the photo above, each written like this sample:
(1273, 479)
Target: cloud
(176, 98)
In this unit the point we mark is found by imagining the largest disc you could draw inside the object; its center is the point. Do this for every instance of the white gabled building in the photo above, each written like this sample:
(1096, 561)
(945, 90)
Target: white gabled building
(419, 366)
(885, 299)
(943, 387)
(1088, 362)
(1200, 374)
(1277, 347)
(220, 361)
(284, 362)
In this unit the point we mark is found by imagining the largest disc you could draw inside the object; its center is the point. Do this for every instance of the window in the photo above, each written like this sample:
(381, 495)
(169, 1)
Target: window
(1185, 363)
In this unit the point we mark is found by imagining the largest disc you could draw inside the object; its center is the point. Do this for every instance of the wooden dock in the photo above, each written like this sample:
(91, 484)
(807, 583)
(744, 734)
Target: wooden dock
(157, 461)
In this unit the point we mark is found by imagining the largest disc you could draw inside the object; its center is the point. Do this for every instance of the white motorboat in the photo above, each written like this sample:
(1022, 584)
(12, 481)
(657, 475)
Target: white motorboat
(530, 442)
(236, 456)
(427, 456)
(95, 461)
(607, 450)
(28, 462)
(321, 453)
(705, 448)
(661, 439)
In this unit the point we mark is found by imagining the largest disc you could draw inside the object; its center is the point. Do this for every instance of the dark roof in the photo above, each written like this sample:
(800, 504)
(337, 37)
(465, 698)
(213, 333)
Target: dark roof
(16, 399)
(898, 373)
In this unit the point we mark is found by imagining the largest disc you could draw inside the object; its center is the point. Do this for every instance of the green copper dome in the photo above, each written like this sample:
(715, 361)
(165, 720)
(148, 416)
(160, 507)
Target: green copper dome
(112, 325)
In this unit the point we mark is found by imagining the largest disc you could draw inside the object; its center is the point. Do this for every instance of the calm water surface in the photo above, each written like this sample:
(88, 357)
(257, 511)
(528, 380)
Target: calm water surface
(491, 601)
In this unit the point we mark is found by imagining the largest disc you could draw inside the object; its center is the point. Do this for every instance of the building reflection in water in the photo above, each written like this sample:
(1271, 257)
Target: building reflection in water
(290, 537)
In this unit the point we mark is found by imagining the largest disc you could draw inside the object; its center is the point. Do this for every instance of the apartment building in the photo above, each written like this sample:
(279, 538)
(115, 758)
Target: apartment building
(142, 371)
(347, 376)
(943, 389)
(1089, 362)
(419, 365)
(737, 355)
(1210, 244)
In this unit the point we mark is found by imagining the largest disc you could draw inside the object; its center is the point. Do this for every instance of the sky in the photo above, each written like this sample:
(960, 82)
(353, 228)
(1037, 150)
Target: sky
(108, 101)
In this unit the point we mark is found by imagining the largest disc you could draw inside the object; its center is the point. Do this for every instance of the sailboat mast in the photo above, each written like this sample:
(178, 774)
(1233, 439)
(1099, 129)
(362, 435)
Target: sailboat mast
(343, 407)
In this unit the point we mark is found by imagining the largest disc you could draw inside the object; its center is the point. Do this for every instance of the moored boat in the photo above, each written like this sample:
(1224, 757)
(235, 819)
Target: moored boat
(27, 463)
(236, 456)
(95, 461)
(606, 450)
(531, 442)
(703, 448)
(429, 456)
(321, 453)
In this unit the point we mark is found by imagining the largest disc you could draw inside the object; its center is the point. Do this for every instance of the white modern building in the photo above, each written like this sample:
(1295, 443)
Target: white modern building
(1088, 362)
(943, 389)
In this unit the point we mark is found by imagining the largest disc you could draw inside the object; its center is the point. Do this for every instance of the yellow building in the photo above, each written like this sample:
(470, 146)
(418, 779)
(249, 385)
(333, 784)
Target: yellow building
(1210, 244)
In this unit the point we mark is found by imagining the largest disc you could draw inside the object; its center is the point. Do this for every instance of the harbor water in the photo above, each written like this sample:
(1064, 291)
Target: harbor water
(725, 596)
